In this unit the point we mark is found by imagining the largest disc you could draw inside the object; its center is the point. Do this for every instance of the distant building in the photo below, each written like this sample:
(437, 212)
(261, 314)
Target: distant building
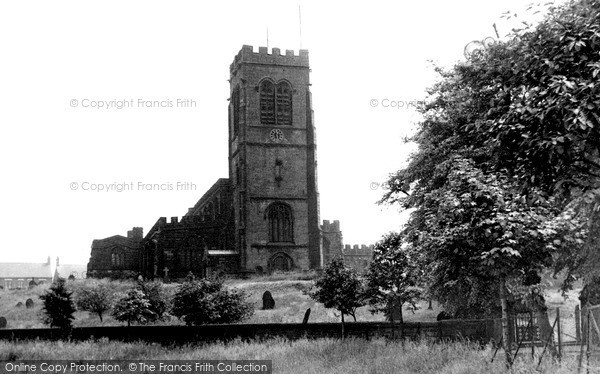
(69, 271)
(18, 275)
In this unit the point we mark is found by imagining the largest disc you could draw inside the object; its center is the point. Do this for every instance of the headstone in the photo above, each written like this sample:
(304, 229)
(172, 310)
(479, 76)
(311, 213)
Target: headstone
(443, 315)
(268, 301)
(29, 303)
(19, 304)
(2, 322)
(71, 277)
(306, 315)
(259, 270)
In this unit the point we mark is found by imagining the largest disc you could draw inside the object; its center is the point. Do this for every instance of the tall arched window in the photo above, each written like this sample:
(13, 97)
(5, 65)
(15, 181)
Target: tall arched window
(267, 103)
(275, 103)
(284, 104)
(281, 223)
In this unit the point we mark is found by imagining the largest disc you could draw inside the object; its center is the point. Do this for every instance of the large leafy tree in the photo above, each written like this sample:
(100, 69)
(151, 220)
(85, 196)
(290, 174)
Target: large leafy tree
(508, 161)
(393, 276)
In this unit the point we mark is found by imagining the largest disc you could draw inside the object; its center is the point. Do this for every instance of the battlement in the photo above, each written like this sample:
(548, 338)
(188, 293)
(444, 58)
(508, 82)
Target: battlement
(247, 56)
(136, 233)
(328, 226)
(358, 250)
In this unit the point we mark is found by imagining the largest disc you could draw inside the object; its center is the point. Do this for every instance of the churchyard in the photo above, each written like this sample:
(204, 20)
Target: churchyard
(288, 291)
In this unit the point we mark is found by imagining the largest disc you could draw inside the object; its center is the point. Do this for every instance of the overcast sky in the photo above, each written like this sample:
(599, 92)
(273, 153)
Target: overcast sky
(369, 60)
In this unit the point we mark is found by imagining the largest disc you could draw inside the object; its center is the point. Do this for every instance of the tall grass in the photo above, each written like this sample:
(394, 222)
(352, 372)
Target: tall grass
(302, 356)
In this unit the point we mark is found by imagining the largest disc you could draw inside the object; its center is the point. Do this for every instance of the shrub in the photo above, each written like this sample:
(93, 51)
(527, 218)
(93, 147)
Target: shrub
(157, 297)
(134, 307)
(205, 301)
(58, 306)
(97, 299)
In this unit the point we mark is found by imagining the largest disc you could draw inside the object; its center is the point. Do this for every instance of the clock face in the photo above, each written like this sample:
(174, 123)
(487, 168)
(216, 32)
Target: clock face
(276, 135)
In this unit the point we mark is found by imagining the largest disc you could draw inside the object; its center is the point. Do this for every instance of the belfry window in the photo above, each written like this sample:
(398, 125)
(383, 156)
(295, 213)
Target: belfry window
(267, 103)
(275, 103)
(284, 104)
(281, 224)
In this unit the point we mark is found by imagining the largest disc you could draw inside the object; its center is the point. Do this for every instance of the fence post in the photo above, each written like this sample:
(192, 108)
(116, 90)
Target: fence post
(577, 323)
(532, 335)
(558, 334)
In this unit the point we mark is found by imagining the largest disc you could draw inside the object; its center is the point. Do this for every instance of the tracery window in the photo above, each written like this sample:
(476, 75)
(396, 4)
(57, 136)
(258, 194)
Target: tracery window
(281, 225)
(275, 103)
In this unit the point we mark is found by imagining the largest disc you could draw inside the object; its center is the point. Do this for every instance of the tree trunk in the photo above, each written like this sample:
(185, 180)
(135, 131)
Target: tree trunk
(505, 323)
(343, 328)
(100, 315)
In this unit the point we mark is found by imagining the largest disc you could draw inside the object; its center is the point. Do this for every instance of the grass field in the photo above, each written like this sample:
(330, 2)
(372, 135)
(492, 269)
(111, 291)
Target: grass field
(302, 356)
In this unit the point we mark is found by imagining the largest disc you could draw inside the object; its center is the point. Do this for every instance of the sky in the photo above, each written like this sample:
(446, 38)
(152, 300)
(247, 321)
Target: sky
(61, 60)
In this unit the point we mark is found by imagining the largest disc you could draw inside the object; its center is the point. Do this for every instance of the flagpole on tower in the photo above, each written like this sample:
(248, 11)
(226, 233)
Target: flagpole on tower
(300, 23)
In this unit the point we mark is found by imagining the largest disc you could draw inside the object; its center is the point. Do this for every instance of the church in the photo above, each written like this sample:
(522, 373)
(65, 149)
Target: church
(265, 216)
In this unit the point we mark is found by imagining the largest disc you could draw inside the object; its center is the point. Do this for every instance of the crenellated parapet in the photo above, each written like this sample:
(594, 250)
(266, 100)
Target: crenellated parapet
(247, 56)
(358, 250)
(328, 226)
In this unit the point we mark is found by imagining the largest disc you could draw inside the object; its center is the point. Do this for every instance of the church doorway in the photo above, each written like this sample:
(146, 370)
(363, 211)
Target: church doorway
(280, 262)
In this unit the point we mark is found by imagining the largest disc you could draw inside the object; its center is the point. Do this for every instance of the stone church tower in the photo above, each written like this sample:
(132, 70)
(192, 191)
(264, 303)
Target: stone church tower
(272, 161)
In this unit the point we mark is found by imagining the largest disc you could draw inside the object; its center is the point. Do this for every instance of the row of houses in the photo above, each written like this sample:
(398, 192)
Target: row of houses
(21, 275)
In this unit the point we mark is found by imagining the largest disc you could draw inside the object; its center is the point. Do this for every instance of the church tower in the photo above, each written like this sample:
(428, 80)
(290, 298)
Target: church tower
(272, 162)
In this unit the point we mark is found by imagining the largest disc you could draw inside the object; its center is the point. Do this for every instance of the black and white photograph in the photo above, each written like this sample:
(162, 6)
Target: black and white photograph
(300, 187)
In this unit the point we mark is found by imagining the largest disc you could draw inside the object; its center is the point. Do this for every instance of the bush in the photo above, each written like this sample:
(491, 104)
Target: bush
(199, 302)
(58, 306)
(134, 307)
(157, 297)
(97, 299)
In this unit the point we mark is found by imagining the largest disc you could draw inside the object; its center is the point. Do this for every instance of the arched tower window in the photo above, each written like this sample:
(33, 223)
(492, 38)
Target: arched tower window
(267, 103)
(275, 103)
(281, 223)
(284, 104)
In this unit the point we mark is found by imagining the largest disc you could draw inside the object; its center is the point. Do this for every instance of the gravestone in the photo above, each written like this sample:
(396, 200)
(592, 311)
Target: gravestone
(19, 304)
(443, 315)
(29, 303)
(268, 301)
(2, 322)
(306, 316)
